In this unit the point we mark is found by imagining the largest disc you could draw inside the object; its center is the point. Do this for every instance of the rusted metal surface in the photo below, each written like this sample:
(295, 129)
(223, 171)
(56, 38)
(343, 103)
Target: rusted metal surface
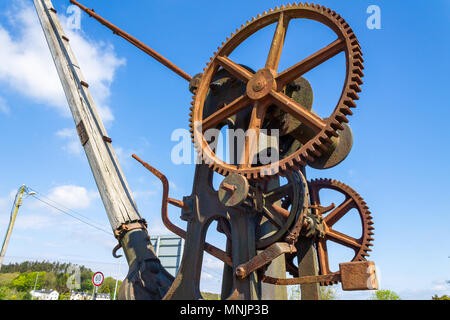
(263, 258)
(262, 217)
(307, 266)
(203, 207)
(335, 277)
(358, 276)
(123, 229)
(326, 221)
(337, 151)
(82, 134)
(134, 41)
(265, 87)
(216, 252)
(233, 190)
(146, 278)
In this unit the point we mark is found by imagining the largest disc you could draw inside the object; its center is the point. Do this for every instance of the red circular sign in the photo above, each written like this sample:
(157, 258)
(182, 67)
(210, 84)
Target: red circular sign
(97, 279)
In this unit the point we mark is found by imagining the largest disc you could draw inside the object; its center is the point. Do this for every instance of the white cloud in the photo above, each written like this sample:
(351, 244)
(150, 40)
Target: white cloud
(440, 285)
(72, 197)
(212, 263)
(70, 136)
(35, 222)
(31, 71)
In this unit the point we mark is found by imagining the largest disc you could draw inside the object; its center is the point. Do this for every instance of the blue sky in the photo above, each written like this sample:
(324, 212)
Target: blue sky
(399, 162)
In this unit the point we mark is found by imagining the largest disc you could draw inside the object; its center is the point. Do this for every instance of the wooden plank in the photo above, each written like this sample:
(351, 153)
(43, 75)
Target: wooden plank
(112, 185)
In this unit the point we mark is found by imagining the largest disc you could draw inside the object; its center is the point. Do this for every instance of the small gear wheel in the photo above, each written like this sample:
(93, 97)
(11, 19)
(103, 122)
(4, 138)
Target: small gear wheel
(265, 88)
(353, 200)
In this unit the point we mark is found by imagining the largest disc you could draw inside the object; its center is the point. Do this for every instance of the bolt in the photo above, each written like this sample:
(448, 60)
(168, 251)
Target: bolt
(240, 272)
(259, 85)
(228, 187)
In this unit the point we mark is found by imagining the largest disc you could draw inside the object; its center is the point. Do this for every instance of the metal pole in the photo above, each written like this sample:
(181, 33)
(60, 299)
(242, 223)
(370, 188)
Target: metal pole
(16, 205)
(35, 282)
(34, 288)
(95, 293)
(134, 41)
(117, 281)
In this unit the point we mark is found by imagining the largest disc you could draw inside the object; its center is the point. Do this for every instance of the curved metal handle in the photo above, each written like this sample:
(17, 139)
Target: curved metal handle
(214, 251)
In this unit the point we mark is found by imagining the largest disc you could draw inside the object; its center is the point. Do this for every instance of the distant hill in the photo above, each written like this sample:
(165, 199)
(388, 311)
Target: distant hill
(39, 266)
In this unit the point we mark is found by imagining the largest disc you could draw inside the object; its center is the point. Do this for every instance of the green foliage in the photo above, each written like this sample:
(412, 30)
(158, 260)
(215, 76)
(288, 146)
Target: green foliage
(444, 297)
(210, 296)
(13, 294)
(17, 280)
(385, 295)
(327, 293)
(35, 266)
(64, 296)
(27, 296)
(294, 293)
(26, 281)
(86, 284)
(7, 278)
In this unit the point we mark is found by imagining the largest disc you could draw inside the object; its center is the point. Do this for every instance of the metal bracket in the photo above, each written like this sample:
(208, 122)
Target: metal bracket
(82, 133)
(124, 228)
(358, 275)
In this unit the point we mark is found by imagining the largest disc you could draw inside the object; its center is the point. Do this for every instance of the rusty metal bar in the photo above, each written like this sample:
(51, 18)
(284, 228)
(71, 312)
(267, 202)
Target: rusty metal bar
(263, 258)
(214, 251)
(302, 280)
(134, 41)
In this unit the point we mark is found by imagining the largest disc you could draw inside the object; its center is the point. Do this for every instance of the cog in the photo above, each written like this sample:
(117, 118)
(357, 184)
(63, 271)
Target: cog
(352, 200)
(265, 88)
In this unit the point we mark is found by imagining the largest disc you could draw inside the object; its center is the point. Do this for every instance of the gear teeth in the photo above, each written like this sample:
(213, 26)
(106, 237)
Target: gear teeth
(353, 95)
(316, 185)
(317, 145)
(336, 126)
(316, 153)
(342, 118)
(355, 87)
(357, 79)
(323, 147)
(346, 111)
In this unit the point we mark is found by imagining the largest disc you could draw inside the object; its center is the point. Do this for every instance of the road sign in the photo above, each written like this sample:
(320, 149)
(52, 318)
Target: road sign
(97, 279)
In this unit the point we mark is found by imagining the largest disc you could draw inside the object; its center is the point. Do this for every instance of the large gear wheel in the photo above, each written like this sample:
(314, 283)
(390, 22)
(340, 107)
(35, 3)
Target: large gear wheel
(265, 88)
(352, 200)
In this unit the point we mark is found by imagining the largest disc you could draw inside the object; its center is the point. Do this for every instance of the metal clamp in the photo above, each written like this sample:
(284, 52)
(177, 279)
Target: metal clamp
(124, 228)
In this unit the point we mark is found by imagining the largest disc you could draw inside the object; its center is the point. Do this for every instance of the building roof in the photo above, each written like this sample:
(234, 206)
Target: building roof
(44, 291)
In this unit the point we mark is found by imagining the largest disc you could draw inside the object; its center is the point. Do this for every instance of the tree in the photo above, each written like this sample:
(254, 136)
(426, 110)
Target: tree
(385, 295)
(49, 280)
(64, 296)
(444, 297)
(26, 281)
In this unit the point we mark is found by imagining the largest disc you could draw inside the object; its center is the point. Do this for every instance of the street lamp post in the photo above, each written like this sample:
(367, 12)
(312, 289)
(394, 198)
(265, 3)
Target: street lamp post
(16, 205)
